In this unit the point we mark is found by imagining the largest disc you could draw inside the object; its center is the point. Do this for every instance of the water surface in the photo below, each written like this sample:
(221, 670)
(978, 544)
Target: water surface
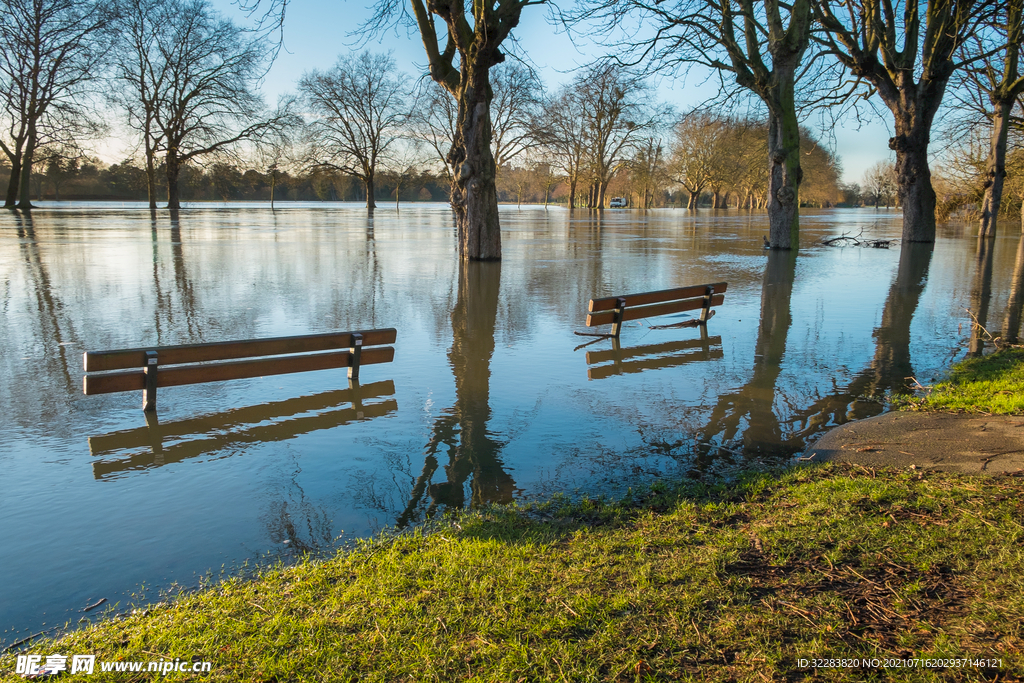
(489, 398)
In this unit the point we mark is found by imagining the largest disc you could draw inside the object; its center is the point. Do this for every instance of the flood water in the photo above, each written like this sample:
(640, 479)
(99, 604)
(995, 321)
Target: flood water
(488, 399)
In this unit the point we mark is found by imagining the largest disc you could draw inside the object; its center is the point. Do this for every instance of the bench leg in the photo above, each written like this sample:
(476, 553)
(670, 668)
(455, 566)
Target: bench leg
(149, 393)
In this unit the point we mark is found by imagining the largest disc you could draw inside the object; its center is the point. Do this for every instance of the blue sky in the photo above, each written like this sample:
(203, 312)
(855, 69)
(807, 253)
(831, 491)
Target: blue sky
(317, 31)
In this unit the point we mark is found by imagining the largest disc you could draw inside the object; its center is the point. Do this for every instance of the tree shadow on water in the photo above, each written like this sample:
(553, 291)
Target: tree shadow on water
(461, 430)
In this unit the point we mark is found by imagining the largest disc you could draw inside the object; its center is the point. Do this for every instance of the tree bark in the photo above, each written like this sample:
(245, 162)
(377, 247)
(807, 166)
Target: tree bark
(12, 184)
(150, 177)
(913, 112)
(474, 196)
(572, 194)
(368, 185)
(784, 172)
(25, 189)
(995, 169)
(914, 178)
(173, 169)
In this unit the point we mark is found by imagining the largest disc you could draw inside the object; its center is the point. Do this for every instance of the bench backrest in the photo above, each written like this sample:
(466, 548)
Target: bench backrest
(649, 304)
(168, 366)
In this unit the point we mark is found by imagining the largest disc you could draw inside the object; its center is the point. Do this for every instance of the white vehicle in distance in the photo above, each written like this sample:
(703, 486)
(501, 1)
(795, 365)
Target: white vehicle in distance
(617, 203)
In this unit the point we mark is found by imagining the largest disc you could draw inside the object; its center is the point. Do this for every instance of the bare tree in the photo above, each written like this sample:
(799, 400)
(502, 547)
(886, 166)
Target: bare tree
(460, 60)
(696, 151)
(761, 43)
(358, 108)
(616, 116)
(563, 134)
(880, 183)
(140, 72)
(204, 91)
(997, 78)
(908, 57)
(49, 52)
(647, 170)
(432, 121)
(515, 110)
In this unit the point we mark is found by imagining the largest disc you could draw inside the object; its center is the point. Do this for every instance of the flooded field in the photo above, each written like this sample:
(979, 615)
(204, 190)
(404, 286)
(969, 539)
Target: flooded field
(489, 398)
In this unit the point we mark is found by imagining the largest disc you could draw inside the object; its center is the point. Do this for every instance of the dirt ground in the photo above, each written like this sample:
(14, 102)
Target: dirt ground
(971, 444)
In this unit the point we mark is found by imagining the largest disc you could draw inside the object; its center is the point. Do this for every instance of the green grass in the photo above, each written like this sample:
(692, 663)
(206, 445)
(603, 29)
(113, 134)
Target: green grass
(734, 582)
(992, 384)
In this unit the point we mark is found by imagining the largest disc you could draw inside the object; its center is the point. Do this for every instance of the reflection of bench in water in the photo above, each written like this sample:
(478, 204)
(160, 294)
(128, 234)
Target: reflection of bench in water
(700, 349)
(176, 441)
(197, 363)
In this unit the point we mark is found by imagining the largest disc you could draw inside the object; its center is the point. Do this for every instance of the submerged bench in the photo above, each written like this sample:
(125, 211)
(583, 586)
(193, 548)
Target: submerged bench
(169, 366)
(614, 310)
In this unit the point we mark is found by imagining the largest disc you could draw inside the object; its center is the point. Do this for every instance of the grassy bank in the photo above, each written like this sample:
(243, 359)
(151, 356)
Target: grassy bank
(993, 384)
(735, 582)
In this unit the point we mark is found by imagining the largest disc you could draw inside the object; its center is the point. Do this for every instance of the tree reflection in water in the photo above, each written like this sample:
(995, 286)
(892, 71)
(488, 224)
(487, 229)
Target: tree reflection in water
(753, 414)
(473, 453)
(981, 296)
(1011, 323)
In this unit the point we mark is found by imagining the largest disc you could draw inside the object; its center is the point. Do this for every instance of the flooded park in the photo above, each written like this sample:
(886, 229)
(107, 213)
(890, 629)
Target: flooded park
(492, 396)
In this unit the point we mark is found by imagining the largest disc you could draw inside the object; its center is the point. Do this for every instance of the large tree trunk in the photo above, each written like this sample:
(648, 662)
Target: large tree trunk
(368, 184)
(13, 183)
(913, 115)
(572, 193)
(784, 172)
(25, 189)
(995, 171)
(474, 195)
(150, 179)
(173, 169)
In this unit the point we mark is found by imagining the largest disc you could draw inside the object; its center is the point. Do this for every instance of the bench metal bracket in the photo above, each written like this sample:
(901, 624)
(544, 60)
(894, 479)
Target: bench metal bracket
(149, 393)
(620, 308)
(357, 350)
(706, 308)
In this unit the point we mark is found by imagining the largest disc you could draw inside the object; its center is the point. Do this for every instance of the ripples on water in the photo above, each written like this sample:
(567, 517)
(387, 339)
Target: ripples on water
(488, 400)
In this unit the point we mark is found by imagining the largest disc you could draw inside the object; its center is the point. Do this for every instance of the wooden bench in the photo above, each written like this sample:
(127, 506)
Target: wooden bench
(169, 366)
(615, 310)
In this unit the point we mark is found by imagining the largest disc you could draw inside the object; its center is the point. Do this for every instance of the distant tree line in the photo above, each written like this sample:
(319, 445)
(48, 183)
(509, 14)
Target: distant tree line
(185, 81)
(91, 179)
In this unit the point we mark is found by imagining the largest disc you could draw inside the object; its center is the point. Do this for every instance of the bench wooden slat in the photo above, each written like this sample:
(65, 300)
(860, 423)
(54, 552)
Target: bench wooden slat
(638, 312)
(251, 415)
(608, 303)
(259, 434)
(214, 372)
(650, 349)
(96, 361)
(603, 371)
